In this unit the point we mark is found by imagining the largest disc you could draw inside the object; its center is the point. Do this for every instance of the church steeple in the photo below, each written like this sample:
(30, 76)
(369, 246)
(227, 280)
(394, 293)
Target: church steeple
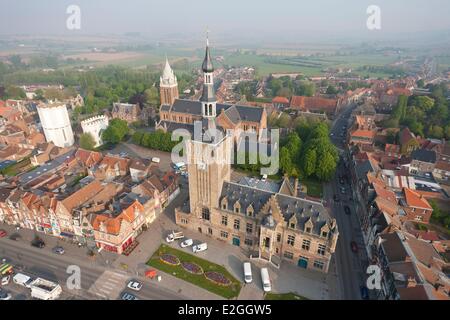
(208, 97)
(168, 85)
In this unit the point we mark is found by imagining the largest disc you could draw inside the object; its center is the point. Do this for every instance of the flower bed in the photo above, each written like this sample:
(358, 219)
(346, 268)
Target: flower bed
(217, 278)
(170, 259)
(192, 267)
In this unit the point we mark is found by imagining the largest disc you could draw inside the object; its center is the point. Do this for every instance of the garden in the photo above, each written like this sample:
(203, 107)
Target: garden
(200, 272)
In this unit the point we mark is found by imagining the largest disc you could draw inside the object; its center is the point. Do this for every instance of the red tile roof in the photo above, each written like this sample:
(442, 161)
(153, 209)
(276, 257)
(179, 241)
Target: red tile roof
(313, 103)
(413, 199)
(282, 100)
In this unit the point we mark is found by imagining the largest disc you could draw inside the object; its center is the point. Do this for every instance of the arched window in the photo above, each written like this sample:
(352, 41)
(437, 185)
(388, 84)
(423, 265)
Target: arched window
(210, 110)
(206, 109)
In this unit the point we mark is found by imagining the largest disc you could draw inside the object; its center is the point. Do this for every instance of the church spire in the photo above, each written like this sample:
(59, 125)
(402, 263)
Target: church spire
(207, 65)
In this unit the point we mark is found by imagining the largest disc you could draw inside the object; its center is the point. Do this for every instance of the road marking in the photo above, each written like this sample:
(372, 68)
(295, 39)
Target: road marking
(104, 290)
(52, 266)
(109, 285)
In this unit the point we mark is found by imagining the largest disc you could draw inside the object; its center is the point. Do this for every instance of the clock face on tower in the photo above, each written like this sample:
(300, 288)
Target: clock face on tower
(201, 165)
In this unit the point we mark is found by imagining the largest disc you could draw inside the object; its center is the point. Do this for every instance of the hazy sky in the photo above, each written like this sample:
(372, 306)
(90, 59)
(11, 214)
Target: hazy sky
(240, 17)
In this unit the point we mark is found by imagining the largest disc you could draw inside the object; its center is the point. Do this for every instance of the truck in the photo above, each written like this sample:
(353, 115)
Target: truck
(174, 236)
(45, 290)
(23, 280)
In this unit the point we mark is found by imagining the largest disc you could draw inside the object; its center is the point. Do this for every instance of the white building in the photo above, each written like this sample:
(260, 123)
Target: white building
(56, 124)
(95, 127)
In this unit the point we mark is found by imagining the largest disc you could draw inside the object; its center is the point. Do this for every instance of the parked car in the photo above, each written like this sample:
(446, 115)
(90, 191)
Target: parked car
(5, 280)
(156, 160)
(186, 243)
(364, 292)
(343, 190)
(128, 296)
(38, 243)
(3, 233)
(336, 198)
(4, 295)
(248, 272)
(15, 236)
(200, 247)
(265, 279)
(174, 236)
(354, 246)
(123, 154)
(58, 250)
(264, 178)
(134, 285)
(347, 210)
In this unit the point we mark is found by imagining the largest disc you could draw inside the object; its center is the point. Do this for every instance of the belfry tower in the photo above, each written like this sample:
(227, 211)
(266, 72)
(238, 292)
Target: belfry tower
(168, 85)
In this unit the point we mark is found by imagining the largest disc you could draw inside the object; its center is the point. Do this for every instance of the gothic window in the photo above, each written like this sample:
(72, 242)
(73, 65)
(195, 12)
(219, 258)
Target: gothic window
(321, 249)
(306, 244)
(210, 110)
(225, 220)
(278, 237)
(206, 109)
(205, 214)
(290, 240)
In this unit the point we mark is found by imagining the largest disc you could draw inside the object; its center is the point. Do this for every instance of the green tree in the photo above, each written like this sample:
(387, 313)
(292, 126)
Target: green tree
(116, 131)
(309, 162)
(285, 161)
(152, 96)
(326, 167)
(87, 141)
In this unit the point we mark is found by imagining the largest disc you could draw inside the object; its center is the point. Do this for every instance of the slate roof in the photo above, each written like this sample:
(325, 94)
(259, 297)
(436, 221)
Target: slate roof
(236, 112)
(303, 209)
(424, 155)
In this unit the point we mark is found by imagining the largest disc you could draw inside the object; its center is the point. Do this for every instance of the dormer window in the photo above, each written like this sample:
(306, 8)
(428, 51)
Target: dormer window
(308, 229)
(324, 234)
(292, 225)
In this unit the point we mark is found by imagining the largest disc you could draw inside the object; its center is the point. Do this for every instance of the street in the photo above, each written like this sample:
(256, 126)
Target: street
(97, 280)
(350, 265)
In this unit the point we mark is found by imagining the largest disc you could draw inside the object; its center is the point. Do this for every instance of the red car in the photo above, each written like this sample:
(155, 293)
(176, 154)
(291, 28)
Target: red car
(354, 246)
(2, 233)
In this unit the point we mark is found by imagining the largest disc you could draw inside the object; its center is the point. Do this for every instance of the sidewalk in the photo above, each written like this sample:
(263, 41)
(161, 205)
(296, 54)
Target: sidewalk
(103, 258)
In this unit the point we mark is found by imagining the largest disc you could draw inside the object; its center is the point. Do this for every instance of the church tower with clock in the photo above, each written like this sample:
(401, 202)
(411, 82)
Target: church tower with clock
(209, 152)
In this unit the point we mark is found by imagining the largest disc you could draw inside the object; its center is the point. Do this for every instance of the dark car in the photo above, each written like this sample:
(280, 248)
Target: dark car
(336, 198)
(15, 236)
(2, 233)
(347, 210)
(128, 296)
(364, 292)
(38, 243)
(354, 246)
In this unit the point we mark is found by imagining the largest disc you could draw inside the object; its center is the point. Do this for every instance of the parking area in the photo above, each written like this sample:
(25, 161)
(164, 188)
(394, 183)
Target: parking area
(135, 151)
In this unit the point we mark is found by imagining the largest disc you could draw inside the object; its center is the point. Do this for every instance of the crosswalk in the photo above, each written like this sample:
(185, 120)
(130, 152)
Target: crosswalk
(109, 284)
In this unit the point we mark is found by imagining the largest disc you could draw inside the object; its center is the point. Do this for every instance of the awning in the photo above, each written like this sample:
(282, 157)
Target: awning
(5, 268)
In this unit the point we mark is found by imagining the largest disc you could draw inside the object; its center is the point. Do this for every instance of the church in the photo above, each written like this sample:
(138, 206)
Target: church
(266, 219)
(176, 113)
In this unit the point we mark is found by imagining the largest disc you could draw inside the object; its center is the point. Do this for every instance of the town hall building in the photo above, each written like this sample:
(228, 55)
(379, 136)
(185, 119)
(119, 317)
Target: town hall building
(267, 220)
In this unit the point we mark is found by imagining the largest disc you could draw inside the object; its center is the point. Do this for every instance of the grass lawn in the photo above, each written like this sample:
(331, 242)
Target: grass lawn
(228, 292)
(314, 188)
(284, 296)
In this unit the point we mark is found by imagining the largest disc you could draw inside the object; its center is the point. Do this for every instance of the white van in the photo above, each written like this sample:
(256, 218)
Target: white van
(200, 247)
(265, 280)
(156, 160)
(248, 272)
(23, 280)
